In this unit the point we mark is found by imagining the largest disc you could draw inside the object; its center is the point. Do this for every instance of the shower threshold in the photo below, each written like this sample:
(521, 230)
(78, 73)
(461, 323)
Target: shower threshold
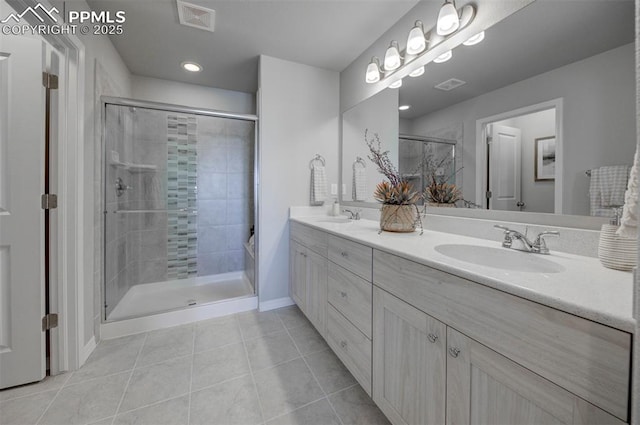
(152, 298)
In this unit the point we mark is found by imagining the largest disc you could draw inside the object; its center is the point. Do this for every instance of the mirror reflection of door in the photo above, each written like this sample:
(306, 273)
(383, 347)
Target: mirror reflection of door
(511, 163)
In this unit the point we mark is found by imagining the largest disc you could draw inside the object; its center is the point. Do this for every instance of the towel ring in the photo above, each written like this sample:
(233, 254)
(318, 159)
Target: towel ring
(318, 158)
(360, 161)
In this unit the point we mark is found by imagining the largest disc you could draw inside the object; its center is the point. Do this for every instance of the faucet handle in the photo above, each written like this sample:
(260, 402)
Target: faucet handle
(506, 243)
(540, 245)
(501, 227)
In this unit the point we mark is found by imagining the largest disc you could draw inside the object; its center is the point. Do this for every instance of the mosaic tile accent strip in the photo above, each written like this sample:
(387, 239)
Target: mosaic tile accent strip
(181, 196)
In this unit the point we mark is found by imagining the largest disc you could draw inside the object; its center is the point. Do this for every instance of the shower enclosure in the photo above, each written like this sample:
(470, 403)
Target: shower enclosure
(179, 197)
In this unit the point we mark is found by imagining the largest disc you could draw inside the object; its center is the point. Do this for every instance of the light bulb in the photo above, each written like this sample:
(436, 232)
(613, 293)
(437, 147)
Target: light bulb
(392, 58)
(416, 42)
(448, 20)
(473, 40)
(373, 71)
(404, 107)
(191, 66)
(418, 72)
(444, 57)
(396, 84)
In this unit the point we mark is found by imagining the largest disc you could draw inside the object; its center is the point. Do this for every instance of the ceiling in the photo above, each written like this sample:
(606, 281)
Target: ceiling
(328, 34)
(544, 35)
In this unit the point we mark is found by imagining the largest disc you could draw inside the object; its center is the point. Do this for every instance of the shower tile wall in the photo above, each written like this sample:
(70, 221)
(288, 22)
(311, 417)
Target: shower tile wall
(225, 193)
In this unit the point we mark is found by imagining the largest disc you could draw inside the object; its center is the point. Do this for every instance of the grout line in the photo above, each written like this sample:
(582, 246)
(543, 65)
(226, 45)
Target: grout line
(253, 378)
(193, 349)
(226, 381)
(126, 387)
(62, 385)
(49, 405)
(298, 408)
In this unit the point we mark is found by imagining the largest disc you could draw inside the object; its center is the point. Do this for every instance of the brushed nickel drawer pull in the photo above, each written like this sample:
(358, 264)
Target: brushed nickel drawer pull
(343, 344)
(455, 352)
(343, 294)
(432, 337)
(344, 254)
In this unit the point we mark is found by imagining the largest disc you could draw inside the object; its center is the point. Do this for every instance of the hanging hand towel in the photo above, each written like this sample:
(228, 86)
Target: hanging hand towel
(318, 185)
(359, 184)
(607, 189)
(629, 223)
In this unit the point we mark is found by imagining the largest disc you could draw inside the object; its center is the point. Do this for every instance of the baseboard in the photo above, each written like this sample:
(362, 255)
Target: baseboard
(277, 303)
(86, 351)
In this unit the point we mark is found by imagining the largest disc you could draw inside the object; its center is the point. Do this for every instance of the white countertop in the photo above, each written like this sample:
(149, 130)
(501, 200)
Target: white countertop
(584, 288)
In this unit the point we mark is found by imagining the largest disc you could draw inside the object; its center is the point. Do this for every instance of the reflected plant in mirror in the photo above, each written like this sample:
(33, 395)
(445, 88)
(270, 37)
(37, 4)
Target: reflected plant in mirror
(398, 197)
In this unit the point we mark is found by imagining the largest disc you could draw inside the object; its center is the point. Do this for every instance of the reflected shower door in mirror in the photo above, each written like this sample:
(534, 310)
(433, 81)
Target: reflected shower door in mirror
(574, 57)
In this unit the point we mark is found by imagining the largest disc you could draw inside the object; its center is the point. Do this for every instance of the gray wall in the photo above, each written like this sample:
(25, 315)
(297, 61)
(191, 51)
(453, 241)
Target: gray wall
(299, 112)
(599, 118)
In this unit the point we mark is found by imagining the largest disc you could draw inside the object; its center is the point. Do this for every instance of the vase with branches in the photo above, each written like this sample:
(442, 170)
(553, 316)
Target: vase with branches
(438, 191)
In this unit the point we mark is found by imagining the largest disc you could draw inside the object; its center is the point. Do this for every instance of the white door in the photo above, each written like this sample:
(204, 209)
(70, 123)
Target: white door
(505, 168)
(22, 341)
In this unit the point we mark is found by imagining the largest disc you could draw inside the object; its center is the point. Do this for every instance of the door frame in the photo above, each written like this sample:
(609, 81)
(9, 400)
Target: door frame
(66, 289)
(481, 148)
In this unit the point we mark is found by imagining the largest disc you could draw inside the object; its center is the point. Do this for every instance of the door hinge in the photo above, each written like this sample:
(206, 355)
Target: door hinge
(49, 201)
(50, 81)
(489, 140)
(489, 194)
(49, 321)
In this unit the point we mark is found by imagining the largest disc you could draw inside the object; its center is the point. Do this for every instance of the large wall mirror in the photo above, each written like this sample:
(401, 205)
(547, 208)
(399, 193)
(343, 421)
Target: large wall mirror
(539, 117)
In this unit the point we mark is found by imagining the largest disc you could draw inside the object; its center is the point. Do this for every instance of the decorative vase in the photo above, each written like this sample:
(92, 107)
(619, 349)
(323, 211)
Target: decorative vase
(440, 205)
(398, 218)
(617, 252)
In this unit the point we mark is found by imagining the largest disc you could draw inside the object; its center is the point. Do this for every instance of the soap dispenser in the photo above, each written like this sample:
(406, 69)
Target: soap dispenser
(336, 208)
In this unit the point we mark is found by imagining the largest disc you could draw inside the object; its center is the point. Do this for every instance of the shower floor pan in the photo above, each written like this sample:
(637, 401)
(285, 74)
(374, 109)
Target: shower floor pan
(152, 298)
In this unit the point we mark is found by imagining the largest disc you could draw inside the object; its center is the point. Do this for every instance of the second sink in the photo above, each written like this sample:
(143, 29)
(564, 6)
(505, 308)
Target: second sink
(500, 258)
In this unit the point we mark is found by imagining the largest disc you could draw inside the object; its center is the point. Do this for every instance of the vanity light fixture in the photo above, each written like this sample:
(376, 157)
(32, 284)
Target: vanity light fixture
(418, 72)
(475, 39)
(444, 57)
(373, 71)
(392, 60)
(396, 84)
(404, 107)
(416, 42)
(191, 66)
(448, 19)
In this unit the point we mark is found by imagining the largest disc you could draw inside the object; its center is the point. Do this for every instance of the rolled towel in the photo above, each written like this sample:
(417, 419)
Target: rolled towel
(629, 222)
(318, 185)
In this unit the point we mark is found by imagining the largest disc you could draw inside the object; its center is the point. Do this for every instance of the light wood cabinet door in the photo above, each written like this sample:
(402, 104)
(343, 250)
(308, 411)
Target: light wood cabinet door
(484, 387)
(298, 274)
(409, 362)
(316, 290)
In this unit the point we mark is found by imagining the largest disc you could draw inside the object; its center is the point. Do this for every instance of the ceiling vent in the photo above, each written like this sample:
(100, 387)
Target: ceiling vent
(196, 16)
(450, 84)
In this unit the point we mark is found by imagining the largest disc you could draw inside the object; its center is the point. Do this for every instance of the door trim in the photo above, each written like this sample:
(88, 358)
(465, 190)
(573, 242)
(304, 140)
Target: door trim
(481, 148)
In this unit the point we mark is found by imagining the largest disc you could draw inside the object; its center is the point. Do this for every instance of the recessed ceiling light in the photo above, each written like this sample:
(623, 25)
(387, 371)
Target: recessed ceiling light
(443, 57)
(191, 66)
(404, 107)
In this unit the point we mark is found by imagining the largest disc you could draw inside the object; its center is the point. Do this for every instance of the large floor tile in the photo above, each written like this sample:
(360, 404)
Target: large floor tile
(87, 402)
(221, 364)
(171, 412)
(232, 402)
(25, 410)
(254, 324)
(108, 359)
(216, 333)
(286, 387)
(355, 407)
(271, 350)
(166, 344)
(158, 382)
(330, 372)
(106, 421)
(318, 413)
(308, 339)
(292, 316)
(47, 384)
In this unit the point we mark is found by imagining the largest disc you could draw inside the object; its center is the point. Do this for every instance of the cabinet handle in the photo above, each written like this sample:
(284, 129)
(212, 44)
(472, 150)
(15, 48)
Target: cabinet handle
(303, 254)
(343, 294)
(455, 352)
(344, 254)
(432, 337)
(343, 344)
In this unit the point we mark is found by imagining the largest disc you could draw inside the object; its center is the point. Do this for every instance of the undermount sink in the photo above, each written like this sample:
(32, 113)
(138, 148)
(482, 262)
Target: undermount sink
(336, 220)
(500, 258)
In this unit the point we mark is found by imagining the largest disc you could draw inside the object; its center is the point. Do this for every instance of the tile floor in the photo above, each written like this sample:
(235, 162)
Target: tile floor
(251, 368)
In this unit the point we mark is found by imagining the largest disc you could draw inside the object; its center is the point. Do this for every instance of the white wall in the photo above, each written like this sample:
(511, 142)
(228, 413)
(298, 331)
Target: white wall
(177, 93)
(538, 196)
(599, 118)
(299, 110)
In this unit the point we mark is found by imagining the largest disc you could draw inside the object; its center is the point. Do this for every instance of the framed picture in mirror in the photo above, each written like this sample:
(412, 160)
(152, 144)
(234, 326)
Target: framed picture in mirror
(545, 159)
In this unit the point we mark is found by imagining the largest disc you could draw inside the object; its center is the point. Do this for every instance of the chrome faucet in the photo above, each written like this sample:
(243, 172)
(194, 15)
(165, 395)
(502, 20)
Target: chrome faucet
(352, 215)
(538, 246)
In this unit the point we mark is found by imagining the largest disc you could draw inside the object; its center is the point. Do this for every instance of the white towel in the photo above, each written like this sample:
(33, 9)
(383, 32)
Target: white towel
(318, 185)
(629, 223)
(607, 189)
(359, 186)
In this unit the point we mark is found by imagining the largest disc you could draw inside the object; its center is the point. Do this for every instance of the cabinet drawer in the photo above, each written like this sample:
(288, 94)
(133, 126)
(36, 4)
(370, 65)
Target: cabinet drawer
(351, 346)
(352, 256)
(588, 359)
(313, 239)
(351, 295)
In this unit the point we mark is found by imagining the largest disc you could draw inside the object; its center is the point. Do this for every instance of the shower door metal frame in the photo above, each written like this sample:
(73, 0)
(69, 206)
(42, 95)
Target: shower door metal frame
(167, 107)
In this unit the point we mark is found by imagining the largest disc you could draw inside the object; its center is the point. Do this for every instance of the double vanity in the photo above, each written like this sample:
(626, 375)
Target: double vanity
(441, 328)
